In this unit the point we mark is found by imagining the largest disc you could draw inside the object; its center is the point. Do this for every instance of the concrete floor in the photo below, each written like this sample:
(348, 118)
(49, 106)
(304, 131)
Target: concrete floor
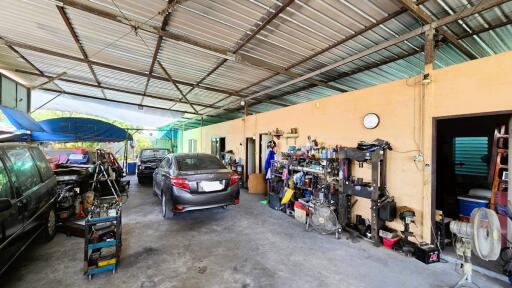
(248, 245)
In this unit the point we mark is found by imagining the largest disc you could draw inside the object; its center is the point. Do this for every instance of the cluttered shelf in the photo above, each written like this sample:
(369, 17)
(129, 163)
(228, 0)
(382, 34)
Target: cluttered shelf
(315, 184)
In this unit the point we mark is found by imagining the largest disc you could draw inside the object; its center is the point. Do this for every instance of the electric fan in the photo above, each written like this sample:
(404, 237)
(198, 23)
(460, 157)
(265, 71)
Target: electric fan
(482, 235)
(322, 219)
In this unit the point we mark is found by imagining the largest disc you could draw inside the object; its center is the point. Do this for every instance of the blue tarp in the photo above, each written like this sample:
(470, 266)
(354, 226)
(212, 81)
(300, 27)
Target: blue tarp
(65, 129)
(21, 120)
(75, 129)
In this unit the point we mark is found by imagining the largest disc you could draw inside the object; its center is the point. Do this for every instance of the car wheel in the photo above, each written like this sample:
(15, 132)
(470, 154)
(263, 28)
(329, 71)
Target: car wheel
(140, 179)
(50, 225)
(166, 210)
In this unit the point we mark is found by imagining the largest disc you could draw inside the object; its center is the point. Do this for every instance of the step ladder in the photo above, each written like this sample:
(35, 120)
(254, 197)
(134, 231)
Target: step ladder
(498, 180)
(498, 168)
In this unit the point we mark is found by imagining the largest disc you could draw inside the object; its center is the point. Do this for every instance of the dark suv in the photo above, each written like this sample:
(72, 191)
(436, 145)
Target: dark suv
(27, 197)
(148, 161)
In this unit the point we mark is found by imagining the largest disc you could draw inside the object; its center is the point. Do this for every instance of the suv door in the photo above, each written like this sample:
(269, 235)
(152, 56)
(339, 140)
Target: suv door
(11, 221)
(28, 187)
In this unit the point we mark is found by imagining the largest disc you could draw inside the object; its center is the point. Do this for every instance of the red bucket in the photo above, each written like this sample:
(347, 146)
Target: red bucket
(389, 242)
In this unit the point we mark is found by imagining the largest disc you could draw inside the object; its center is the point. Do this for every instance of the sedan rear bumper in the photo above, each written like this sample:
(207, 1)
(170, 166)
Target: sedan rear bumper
(184, 200)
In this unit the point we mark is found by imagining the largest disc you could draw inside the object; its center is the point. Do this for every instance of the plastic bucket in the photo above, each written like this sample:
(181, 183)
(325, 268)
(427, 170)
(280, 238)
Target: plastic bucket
(132, 166)
(389, 242)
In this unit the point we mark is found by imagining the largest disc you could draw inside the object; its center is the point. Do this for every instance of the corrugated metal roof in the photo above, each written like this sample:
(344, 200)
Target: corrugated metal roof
(120, 79)
(9, 59)
(53, 66)
(119, 46)
(185, 63)
(292, 40)
(157, 102)
(37, 21)
(78, 89)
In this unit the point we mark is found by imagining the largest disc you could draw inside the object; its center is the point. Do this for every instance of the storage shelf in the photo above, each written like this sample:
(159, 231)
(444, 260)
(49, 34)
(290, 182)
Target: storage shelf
(111, 262)
(102, 244)
(92, 271)
(101, 220)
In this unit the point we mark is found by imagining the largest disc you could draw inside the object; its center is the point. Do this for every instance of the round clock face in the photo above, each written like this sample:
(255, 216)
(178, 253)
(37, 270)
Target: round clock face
(371, 120)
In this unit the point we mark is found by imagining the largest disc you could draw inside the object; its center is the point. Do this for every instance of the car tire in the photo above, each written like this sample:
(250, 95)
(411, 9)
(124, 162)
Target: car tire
(166, 210)
(50, 225)
(140, 179)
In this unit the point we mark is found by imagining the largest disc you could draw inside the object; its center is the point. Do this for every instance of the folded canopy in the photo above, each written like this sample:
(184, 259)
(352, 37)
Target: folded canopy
(76, 129)
(64, 129)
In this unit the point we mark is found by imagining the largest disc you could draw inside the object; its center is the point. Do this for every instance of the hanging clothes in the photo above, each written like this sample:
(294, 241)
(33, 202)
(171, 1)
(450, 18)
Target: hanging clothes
(271, 155)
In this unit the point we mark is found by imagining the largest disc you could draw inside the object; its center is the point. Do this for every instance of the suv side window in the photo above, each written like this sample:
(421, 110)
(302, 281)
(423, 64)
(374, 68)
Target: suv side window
(42, 164)
(23, 166)
(5, 185)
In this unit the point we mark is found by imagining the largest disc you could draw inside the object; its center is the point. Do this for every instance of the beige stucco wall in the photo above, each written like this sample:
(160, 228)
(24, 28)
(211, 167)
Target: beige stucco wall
(482, 85)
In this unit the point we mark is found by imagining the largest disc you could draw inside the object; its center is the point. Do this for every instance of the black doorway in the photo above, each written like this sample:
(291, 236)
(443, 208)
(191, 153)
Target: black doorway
(250, 157)
(218, 146)
(461, 168)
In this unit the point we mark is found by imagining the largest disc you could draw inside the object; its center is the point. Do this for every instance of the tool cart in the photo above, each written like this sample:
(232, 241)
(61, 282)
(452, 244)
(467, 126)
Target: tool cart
(103, 230)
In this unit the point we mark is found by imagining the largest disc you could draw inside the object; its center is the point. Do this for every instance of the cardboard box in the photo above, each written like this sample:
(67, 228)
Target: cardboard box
(257, 184)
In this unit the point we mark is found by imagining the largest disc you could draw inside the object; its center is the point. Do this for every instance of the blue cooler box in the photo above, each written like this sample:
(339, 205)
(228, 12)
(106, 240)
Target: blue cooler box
(468, 203)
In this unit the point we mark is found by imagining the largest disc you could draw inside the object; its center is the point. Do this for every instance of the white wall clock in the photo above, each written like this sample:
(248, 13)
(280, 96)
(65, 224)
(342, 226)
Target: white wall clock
(371, 120)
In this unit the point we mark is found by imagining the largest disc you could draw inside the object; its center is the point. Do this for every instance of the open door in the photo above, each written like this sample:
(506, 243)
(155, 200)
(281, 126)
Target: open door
(466, 152)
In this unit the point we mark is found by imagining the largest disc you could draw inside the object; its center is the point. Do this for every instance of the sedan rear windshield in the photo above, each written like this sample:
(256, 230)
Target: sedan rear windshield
(198, 162)
(154, 153)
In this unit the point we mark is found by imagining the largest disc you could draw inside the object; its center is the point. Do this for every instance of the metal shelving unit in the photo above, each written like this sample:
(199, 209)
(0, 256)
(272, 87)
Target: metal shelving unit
(94, 261)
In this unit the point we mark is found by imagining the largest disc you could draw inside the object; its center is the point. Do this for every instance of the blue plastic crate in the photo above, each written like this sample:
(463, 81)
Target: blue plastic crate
(468, 203)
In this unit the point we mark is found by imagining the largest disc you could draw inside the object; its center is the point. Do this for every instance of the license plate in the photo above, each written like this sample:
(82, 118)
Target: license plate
(212, 185)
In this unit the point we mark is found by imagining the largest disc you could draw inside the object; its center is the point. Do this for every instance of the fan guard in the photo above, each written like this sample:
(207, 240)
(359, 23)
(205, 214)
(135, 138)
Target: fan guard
(486, 238)
(323, 219)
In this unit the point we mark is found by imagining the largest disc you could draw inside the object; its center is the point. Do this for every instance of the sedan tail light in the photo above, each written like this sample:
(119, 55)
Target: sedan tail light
(180, 182)
(234, 179)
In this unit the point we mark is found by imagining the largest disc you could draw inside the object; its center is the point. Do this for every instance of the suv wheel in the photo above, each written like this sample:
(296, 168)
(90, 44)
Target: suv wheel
(50, 226)
(166, 211)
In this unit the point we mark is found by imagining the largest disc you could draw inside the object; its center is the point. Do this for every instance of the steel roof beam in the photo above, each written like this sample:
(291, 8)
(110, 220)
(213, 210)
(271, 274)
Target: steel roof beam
(152, 96)
(165, 21)
(436, 24)
(485, 29)
(50, 80)
(72, 31)
(176, 86)
(336, 44)
(244, 42)
(195, 44)
(121, 69)
(340, 42)
(110, 66)
(121, 102)
(376, 65)
(39, 72)
(427, 19)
